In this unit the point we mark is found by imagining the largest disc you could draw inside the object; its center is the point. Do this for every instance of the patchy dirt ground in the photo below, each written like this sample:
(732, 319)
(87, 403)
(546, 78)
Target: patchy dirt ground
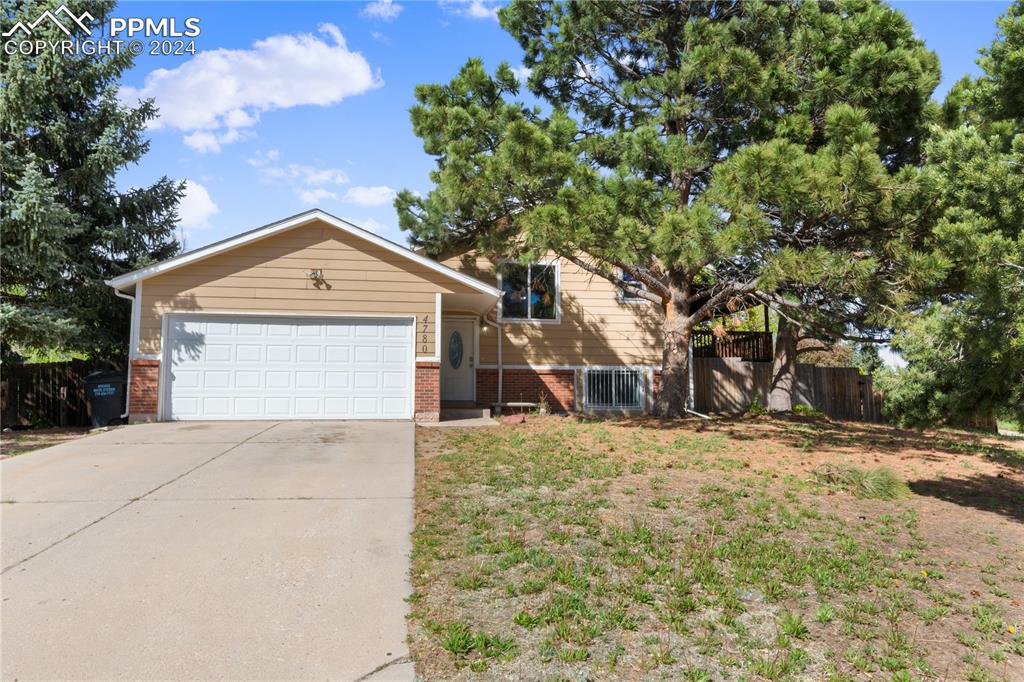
(19, 442)
(566, 549)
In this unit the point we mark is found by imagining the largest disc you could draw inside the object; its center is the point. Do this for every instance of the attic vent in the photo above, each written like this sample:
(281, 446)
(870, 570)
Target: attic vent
(621, 388)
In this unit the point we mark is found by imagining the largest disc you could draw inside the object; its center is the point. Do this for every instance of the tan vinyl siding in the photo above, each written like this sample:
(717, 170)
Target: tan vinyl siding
(270, 276)
(595, 327)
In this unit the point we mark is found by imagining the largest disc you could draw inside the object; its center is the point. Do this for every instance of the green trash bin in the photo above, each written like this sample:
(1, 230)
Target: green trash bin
(106, 391)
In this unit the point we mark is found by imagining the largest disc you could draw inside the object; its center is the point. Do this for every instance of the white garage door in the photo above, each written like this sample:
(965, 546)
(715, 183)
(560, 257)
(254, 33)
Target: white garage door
(223, 367)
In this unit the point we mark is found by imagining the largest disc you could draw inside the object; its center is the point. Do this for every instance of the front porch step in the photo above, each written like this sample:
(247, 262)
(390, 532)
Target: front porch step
(451, 413)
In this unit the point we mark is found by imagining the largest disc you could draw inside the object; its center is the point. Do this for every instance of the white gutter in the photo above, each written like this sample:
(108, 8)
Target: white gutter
(131, 349)
(501, 367)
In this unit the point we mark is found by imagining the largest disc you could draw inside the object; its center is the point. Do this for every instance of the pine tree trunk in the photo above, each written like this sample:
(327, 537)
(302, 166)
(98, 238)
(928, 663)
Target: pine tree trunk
(674, 386)
(780, 399)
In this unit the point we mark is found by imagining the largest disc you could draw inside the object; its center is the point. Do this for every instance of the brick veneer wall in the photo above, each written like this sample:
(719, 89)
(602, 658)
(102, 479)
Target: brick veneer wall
(428, 391)
(527, 385)
(144, 389)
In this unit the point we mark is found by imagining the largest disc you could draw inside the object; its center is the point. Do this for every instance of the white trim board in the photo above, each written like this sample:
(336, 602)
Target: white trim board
(287, 224)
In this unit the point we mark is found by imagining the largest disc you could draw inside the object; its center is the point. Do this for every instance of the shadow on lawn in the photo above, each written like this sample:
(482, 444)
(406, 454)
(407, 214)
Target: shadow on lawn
(890, 440)
(992, 493)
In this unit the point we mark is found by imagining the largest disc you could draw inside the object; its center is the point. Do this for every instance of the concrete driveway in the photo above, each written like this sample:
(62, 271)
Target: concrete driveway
(199, 550)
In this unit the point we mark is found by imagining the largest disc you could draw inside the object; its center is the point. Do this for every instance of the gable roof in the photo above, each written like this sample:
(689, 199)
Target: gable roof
(130, 278)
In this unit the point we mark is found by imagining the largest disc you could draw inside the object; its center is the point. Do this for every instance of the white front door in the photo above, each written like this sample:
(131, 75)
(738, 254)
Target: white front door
(251, 367)
(458, 376)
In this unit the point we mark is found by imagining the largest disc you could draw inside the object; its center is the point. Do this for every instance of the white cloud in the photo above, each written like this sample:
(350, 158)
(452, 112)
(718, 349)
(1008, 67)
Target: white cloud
(219, 92)
(196, 207)
(370, 224)
(522, 73)
(205, 141)
(473, 9)
(378, 195)
(310, 183)
(264, 158)
(387, 10)
(315, 195)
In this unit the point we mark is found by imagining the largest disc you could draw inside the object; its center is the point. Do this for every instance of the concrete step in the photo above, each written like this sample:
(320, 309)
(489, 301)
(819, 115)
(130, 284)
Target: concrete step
(465, 413)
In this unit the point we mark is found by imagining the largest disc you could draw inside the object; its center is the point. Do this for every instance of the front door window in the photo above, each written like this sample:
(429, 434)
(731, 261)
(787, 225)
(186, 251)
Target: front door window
(455, 349)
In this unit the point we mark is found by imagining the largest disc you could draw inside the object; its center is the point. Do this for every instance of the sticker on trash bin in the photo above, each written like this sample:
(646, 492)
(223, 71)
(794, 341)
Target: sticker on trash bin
(104, 389)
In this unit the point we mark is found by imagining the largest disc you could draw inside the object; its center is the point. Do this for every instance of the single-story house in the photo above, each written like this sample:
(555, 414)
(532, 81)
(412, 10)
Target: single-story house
(312, 317)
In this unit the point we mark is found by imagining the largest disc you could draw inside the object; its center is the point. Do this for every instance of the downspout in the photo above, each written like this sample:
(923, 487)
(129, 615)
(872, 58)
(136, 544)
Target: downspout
(131, 347)
(501, 366)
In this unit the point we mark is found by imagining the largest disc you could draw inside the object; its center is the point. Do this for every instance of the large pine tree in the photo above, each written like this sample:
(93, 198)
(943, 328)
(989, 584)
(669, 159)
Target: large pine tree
(65, 226)
(721, 153)
(966, 346)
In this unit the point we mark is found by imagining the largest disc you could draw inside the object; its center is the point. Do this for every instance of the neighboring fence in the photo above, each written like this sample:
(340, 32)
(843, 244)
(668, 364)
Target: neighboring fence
(46, 394)
(729, 385)
(750, 346)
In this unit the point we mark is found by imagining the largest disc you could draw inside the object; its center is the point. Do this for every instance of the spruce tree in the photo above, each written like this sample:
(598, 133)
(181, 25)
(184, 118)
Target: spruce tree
(66, 227)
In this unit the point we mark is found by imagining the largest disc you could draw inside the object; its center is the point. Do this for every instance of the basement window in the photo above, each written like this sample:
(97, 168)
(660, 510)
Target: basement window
(619, 388)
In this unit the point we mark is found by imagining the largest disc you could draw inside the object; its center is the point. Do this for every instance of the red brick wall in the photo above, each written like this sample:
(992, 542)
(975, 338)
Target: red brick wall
(145, 387)
(527, 385)
(428, 391)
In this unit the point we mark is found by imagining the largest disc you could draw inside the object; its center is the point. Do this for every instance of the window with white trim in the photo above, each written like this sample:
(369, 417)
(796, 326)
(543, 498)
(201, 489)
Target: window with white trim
(631, 294)
(529, 292)
(617, 388)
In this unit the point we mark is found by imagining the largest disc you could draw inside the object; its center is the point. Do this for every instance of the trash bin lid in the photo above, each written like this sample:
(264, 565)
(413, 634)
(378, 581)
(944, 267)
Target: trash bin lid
(105, 376)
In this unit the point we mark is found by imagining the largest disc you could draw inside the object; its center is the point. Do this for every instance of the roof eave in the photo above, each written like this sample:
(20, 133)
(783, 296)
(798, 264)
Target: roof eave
(131, 278)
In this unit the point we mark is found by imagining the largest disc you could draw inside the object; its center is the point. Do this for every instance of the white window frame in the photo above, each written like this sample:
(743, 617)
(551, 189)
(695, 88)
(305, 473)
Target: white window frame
(643, 376)
(631, 299)
(558, 294)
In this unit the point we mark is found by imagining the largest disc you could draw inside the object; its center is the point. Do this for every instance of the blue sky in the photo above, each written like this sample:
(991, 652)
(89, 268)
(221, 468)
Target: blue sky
(290, 105)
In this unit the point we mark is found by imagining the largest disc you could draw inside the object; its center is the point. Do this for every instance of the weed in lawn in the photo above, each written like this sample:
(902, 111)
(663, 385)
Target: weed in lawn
(793, 625)
(875, 484)
(459, 639)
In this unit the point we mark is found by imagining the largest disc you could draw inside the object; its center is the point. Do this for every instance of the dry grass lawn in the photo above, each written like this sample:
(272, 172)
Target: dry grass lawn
(19, 442)
(753, 549)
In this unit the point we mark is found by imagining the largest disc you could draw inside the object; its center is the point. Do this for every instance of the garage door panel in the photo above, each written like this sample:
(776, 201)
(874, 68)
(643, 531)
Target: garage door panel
(396, 355)
(216, 406)
(278, 407)
(247, 379)
(217, 379)
(280, 368)
(219, 329)
(307, 407)
(338, 379)
(247, 408)
(278, 353)
(220, 352)
(366, 354)
(245, 352)
(308, 379)
(339, 354)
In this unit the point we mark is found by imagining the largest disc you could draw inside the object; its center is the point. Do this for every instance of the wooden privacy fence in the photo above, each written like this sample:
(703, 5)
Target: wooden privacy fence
(729, 385)
(750, 346)
(49, 393)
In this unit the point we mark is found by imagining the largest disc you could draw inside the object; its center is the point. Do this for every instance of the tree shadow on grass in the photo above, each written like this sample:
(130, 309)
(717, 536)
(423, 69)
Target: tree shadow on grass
(997, 493)
(880, 438)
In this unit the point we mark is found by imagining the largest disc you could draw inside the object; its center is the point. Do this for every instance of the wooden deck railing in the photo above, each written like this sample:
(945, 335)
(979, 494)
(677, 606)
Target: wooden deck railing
(750, 346)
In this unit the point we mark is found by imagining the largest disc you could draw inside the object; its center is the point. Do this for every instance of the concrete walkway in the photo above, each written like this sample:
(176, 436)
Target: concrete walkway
(236, 550)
